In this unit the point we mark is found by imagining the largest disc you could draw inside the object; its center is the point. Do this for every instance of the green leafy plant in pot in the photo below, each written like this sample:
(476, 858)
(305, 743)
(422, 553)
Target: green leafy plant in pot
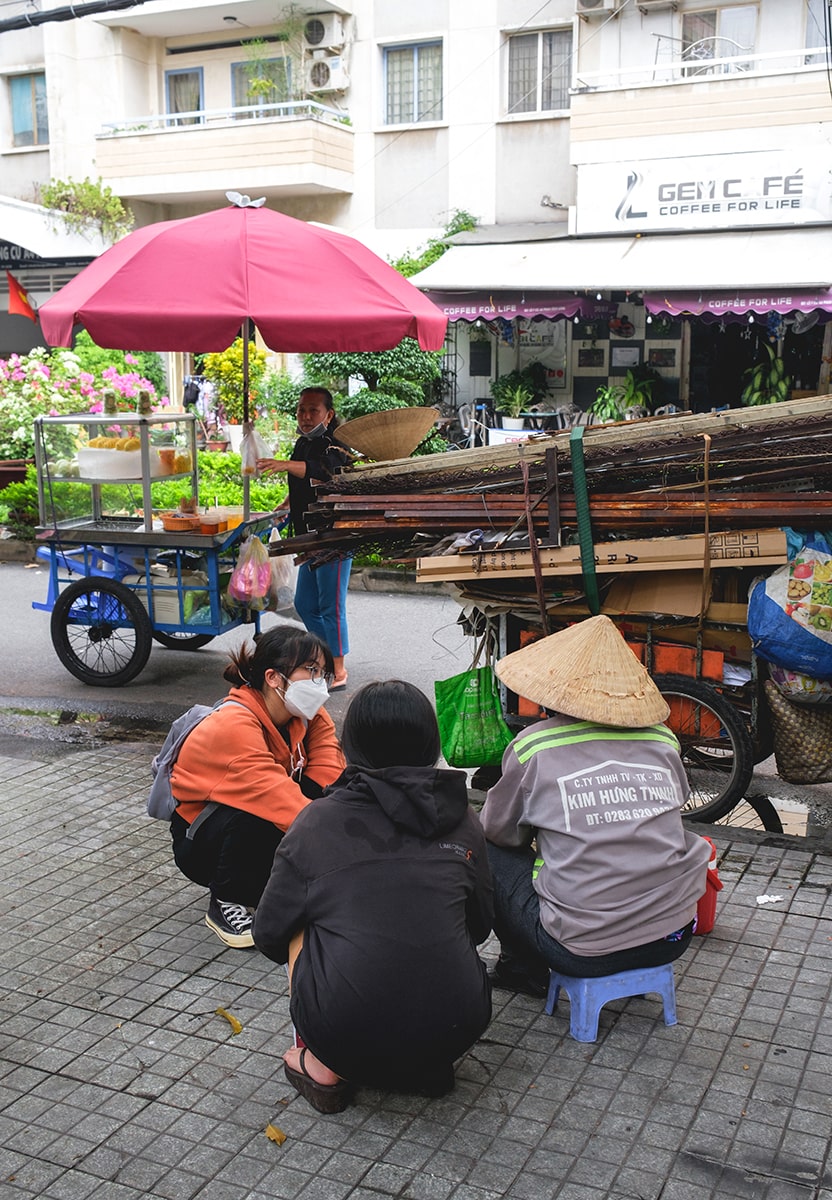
(768, 382)
(512, 395)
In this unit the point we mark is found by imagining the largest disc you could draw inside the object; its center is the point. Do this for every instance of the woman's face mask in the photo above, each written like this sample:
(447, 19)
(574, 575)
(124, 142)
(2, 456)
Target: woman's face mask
(318, 431)
(304, 697)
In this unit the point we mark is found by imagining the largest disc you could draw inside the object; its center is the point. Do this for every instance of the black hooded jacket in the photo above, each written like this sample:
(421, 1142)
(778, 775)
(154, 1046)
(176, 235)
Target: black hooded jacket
(387, 876)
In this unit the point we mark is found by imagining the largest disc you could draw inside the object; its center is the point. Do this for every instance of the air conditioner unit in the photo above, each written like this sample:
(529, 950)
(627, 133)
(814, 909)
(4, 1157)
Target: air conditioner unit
(324, 31)
(596, 8)
(327, 75)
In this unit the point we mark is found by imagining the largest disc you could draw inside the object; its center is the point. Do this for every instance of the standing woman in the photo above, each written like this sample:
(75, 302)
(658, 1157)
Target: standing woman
(321, 591)
(379, 895)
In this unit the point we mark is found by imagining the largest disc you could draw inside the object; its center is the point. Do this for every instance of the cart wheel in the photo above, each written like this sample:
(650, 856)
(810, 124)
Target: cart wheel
(101, 631)
(716, 747)
(754, 812)
(182, 641)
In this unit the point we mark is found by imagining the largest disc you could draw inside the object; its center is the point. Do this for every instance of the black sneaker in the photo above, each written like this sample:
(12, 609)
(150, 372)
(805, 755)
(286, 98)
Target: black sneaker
(536, 986)
(230, 922)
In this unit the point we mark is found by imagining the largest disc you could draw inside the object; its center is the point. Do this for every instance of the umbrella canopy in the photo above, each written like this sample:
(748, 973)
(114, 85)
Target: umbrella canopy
(192, 284)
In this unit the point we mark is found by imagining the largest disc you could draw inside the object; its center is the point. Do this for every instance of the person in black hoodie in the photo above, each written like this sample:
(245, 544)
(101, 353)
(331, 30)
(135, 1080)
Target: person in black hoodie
(321, 589)
(379, 895)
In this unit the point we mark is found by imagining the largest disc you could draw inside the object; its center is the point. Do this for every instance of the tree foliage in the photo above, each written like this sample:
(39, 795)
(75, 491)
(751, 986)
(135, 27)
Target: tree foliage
(410, 264)
(88, 206)
(406, 361)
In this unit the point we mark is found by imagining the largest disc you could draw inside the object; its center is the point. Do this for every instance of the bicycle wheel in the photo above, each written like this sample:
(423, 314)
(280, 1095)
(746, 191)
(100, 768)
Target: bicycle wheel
(716, 747)
(753, 812)
(101, 631)
(182, 641)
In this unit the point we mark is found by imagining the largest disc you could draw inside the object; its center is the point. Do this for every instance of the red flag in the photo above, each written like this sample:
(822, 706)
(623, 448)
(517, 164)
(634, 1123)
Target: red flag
(19, 301)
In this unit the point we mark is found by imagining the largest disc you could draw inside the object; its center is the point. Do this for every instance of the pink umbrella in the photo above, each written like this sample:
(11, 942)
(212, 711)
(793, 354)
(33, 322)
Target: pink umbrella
(193, 284)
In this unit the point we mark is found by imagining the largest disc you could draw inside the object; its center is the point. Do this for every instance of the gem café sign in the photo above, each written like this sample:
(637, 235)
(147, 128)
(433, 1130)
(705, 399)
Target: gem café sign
(707, 192)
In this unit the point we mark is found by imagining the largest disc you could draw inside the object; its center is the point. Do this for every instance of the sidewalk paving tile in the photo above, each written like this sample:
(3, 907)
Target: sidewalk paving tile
(119, 1081)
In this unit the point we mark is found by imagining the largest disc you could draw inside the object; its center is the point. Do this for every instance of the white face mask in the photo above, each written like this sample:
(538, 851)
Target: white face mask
(319, 430)
(304, 697)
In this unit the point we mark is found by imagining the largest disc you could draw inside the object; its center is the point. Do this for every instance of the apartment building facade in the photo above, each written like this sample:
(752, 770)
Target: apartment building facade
(609, 150)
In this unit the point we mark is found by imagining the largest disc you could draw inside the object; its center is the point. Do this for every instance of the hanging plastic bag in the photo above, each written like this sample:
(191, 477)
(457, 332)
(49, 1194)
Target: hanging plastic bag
(252, 448)
(251, 579)
(284, 577)
(472, 730)
(790, 615)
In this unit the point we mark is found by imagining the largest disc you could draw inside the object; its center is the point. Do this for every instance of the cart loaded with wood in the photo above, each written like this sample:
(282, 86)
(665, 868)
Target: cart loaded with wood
(701, 536)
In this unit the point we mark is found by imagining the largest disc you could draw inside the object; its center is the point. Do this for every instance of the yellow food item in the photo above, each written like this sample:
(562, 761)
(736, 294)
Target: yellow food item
(121, 443)
(132, 443)
(181, 462)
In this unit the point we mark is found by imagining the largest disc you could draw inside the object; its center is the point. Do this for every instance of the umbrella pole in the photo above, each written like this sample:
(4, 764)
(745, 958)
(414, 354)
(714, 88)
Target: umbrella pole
(246, 479)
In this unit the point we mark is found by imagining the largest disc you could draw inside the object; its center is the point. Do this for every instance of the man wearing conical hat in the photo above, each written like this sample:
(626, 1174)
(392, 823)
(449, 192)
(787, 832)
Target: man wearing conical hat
(594, 872)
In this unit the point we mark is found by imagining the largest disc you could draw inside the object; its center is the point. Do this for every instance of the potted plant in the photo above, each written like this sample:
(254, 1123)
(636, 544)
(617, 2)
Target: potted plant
(767, 381)
(512, 395)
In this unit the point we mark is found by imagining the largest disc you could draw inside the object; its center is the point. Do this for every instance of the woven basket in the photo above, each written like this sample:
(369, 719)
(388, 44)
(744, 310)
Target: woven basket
(393, 433)
(802, 739)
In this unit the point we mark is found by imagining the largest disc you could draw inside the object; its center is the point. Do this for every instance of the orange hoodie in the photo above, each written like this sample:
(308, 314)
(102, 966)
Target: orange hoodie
(237, 756)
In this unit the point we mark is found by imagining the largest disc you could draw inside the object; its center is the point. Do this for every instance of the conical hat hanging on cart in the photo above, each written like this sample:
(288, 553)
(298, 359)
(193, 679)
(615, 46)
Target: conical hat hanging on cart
(392, 433)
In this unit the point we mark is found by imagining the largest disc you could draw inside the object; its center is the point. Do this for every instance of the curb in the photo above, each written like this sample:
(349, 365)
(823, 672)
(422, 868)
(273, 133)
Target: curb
(13, 550)
(377, 579)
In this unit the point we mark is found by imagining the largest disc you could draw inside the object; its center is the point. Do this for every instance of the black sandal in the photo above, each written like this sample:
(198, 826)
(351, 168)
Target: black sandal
(324, 1097)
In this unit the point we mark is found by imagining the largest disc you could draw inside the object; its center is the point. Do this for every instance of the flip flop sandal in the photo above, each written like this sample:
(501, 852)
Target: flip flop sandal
(339, 685)
(324, 1097)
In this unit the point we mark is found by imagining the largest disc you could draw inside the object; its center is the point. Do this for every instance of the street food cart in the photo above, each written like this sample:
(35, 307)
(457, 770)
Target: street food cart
(120, 579)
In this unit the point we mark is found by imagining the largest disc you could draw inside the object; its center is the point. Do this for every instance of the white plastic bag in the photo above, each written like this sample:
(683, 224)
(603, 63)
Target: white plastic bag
(284, 577)
(252, 447)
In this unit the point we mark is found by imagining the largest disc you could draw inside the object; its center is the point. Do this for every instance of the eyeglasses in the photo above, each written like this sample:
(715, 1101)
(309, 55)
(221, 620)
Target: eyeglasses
(317, 674)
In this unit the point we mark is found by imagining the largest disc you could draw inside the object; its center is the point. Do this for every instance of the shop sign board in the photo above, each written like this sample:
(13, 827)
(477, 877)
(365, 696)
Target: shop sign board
(716, 191)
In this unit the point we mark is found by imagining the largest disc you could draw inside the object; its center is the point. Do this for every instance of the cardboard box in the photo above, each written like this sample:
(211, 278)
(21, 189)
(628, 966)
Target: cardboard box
(756, 547)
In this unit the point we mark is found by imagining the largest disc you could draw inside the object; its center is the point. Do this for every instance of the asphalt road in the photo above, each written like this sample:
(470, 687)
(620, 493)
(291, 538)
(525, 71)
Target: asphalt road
(413, 637)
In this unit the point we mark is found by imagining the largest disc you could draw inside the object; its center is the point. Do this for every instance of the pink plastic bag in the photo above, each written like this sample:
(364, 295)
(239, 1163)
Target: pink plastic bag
(251, 578)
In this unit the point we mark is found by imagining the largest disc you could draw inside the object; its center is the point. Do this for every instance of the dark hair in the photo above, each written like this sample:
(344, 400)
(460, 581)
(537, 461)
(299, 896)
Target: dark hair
(283, 649)
(390, 724)
(326, 396)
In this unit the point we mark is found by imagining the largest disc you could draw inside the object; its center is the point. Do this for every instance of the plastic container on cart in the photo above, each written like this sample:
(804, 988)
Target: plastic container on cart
(212, 522)
(118, 464)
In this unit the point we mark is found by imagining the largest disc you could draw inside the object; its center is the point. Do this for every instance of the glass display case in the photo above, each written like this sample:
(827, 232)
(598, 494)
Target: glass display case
(92, 450)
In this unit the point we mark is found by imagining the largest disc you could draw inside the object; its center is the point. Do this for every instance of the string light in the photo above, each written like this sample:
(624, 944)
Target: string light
(598, 296)
(750, 318)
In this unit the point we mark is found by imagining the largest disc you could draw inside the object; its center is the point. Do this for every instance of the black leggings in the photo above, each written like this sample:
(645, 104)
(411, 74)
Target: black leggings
(231, 853)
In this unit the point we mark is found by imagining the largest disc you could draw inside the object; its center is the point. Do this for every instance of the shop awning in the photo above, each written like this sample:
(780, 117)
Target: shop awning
(721, 304)
(44, 234)
(765, 261)
(475, 306)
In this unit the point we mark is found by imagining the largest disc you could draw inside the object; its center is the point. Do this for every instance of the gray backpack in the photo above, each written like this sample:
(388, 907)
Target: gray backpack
(160, 801)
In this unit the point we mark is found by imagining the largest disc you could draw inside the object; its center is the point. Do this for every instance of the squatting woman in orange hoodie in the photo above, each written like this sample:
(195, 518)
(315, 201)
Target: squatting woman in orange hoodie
(257, 760)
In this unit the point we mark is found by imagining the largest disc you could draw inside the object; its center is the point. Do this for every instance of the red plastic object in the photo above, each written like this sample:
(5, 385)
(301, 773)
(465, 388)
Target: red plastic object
(706, 907)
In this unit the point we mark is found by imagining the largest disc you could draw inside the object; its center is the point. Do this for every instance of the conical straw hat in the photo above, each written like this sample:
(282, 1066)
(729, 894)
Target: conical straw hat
(393, 433)
(586, 671)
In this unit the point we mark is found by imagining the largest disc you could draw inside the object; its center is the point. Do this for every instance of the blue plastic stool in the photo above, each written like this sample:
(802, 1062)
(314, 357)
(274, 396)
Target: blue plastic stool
(588, 996)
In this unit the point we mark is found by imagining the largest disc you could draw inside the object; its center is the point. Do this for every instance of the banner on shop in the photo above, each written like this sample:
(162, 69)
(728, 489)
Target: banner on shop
(716, 191)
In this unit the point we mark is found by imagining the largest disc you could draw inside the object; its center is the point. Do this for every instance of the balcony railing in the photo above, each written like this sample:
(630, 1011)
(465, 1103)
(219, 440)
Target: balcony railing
(291, 110)
(699, 62)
